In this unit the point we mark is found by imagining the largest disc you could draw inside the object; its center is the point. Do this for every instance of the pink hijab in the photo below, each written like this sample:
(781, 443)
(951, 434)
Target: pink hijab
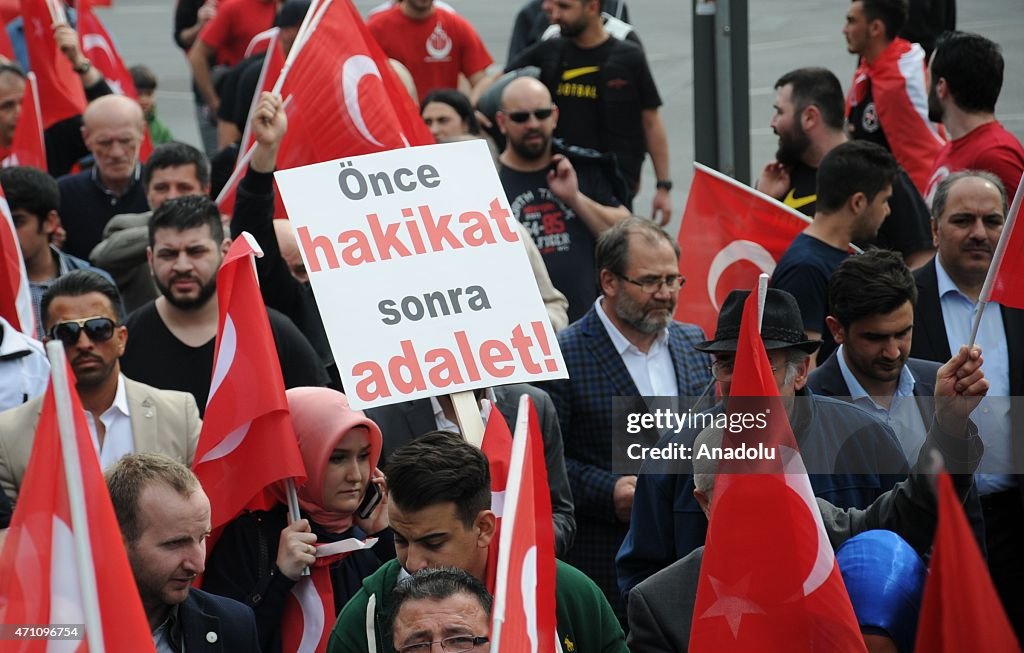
(322, 418)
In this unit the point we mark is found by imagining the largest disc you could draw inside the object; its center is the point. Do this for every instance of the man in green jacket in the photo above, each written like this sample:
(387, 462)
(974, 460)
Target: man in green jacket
(439, 507)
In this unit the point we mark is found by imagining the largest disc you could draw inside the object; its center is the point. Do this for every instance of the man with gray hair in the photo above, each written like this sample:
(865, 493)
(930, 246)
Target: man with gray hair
(164, 517)
(445, 606)
(968, 212)
(661, 607)
(860, 454)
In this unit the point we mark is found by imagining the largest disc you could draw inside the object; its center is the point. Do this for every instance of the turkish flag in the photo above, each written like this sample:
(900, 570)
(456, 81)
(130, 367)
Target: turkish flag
(40, 572)
(273, 63)
(730, 234)
(6, 16)
(769, 579)
(960, 610)
(99, 48)
(247, 442)
(60, 89)
(524, 598)
(347, 100)
(497, 446)
(1008, 271)
(28, 147)
(15, 295)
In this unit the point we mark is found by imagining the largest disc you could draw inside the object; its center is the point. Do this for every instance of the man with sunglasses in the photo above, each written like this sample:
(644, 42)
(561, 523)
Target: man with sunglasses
(626, 346)
(81, 310)
(565, 208)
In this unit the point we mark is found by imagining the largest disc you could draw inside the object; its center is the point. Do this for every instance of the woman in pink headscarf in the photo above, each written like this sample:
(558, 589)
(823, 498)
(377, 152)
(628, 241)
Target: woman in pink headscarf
(261, 559)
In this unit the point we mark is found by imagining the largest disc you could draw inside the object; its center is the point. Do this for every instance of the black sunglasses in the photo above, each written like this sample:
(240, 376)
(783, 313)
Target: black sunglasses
(98, 329)
(523, 116)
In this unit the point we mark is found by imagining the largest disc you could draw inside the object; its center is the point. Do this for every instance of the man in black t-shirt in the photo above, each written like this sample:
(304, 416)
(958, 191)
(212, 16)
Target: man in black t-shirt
(808, 119)
(172, 345)
(605, 90)
(564, 208)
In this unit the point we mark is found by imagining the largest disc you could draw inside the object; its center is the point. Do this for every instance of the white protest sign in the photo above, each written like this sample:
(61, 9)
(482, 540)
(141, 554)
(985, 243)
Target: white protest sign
(423, 283)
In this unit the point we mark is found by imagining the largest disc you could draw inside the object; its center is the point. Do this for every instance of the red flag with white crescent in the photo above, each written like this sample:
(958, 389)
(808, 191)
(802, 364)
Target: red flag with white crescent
(99, 48)
(788, 596)
(524, 598)
(730, 234)
(15, 294)
(39, 572)
(61, 94)
(247, 442)
(1007, 268)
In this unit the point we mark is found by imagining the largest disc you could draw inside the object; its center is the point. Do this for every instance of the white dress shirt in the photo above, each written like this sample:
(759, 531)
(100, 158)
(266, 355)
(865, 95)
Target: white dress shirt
(117, 439)
(653, 372)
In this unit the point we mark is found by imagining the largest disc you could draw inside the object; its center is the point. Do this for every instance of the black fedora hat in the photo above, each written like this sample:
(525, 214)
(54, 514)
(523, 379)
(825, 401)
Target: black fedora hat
(781, 327)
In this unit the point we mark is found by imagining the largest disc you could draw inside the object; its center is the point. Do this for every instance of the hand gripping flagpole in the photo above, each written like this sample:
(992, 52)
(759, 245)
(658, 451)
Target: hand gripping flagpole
(76, 495)
(997, 259)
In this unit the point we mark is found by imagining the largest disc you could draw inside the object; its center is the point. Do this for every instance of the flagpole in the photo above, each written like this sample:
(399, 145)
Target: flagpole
(243, 161)
(997, 259)
(309, 24)
(76, 495)
(762, 294)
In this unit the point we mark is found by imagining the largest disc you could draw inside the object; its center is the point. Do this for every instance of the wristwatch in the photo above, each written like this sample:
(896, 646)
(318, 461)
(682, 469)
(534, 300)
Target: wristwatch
(664, 184)
(83, 67)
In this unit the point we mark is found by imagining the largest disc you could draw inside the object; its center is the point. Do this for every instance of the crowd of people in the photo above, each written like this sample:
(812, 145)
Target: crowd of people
(910, 164)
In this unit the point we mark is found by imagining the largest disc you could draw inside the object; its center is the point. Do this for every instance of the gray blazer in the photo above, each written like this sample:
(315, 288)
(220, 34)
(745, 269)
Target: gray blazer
(405, 421)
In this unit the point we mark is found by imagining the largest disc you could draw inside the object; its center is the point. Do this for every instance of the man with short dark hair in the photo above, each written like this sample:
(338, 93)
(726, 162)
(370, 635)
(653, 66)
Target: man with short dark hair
(808, 119)
(446, 605)
(854, 184)
(82, 310)
(627, 345)
(440, 512)
(886, 103)
(172, 170)
(968, 213)
(112, 128)
(164, 517)
(564, 207)
(174, 338)
(606, 94)
(33, 198)
(667, 523)
(967, 75)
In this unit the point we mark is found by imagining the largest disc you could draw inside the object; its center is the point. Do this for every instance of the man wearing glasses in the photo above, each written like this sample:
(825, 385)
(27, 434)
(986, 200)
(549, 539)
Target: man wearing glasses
(565, 208)
(113, 129)
(627, 345)
(445, 606)
(81, 310)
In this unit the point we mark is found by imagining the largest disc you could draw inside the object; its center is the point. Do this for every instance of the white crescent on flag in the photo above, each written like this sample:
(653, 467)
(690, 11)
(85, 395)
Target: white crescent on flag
(734, 252)
(352, 72)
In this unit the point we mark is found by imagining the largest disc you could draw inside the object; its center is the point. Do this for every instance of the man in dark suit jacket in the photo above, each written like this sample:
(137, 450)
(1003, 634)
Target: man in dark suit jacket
(968, 212)
(405, 421)
(159, 502)
(627, 345)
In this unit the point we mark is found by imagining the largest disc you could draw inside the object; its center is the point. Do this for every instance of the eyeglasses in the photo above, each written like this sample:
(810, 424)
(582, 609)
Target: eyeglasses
(450, 644)
(98, 329)
(523, 116)
(651, 285)
(722, 369)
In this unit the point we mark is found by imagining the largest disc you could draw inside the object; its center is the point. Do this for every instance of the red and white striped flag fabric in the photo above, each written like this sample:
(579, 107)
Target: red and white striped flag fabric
(497, 446)
(15, 295)
(524, 598)
(247, 442)
(41, 579)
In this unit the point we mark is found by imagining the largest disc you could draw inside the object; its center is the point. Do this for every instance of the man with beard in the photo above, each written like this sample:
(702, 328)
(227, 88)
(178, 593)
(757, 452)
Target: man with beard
(968, 214)
(606, 92)
(81, 309)
(967, 75)
(174, 338)
(887, 99)
(854, 185)
(564, 208)
(808, 119)
(627, 345)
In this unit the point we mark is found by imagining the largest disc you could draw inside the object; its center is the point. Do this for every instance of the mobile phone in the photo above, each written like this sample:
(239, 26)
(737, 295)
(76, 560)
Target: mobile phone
(370, 500)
